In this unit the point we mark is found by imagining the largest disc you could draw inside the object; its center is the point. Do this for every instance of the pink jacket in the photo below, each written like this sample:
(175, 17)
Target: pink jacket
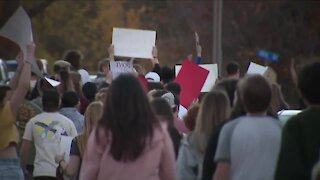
(155, 163)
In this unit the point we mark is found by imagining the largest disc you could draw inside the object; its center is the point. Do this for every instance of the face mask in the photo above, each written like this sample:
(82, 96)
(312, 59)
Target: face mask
(33, 83)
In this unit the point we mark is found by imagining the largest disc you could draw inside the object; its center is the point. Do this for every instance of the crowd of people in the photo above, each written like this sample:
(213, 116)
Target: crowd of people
(129, 127)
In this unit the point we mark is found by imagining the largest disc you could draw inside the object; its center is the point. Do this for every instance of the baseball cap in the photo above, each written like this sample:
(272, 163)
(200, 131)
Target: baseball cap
(169, 97)
(152, 77)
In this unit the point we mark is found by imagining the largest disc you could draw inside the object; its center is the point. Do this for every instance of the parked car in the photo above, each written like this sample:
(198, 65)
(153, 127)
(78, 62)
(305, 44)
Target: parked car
(12, 66)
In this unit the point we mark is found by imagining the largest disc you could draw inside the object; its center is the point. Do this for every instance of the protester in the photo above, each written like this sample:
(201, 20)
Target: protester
(66, 83)
(104, 69)
(249, 145)
(213, 109)
(164, 113)
(70, 105)
(228, 85)
(167, 75)
(45, 131)
(233, 70)
(174, 88)
(277, 102)
(129, 142)
(10, 99)
(89, 91)
(60, 65)
(79, 143)
(74, 57)
(190, 119)
(300, 143)
(102, 95)
(175, 103)
(77, 83)
(41, 86)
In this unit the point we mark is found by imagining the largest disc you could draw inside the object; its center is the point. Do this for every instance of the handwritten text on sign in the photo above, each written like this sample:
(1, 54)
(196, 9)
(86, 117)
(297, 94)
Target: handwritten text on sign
(120, 67)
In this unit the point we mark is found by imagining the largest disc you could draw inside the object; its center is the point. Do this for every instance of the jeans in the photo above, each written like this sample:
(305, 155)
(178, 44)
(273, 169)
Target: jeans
(10, 169)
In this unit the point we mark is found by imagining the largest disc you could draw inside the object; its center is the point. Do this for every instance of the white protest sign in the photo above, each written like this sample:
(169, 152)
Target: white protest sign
(65, 146)
(18, 29)
(212, 76)
(182, 112)
(52, 82)
(133, 42)
(256, 69)
(120, 67)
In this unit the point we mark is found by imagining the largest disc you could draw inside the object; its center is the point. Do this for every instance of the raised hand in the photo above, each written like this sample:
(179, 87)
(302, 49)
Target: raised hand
(111, 52)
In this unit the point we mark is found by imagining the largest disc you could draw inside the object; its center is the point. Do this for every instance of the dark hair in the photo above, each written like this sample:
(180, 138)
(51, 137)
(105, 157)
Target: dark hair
(154, 85)
(128, 117)
(158, 93)
(167, 74)
(89, 90)
(173, 87)
(162, 108)
(74, 57)
(238, 109)
(50, 100)
(308, 82)
(255, 92)
(70, 99)
(232, 68)
(229, 86)
(102, 63)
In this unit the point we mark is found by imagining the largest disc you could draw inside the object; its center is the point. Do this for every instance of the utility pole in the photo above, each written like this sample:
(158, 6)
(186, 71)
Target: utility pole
(217, 33)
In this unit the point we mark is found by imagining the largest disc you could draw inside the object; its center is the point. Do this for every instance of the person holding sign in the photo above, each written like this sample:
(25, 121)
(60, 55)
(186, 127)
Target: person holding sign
(128, 142)
(79, 143)
(10, 99)
(45, 131)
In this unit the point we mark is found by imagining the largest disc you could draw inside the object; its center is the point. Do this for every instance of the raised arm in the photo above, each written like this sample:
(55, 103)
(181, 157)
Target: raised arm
(111, 52)
(155, 61)
(198, 49)
(19, 93)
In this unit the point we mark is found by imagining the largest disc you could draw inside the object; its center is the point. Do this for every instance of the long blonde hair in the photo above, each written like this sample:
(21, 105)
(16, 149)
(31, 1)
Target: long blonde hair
(214, 109)
(92, 116)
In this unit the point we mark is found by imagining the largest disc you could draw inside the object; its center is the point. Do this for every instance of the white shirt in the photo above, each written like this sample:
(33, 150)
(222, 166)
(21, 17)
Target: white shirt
(84, 76)
(45, 130)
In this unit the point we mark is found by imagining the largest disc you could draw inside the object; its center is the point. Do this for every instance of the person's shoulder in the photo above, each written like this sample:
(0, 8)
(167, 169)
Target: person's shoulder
(83, 71)
(301, 118)
(232, 123)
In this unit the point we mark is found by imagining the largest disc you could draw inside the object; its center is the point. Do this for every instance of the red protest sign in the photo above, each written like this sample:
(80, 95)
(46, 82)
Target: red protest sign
(191, 78)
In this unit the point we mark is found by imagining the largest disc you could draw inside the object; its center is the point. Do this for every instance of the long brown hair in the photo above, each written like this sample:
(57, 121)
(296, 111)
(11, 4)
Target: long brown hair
(127, 119)
(214, 109)
(91, 117)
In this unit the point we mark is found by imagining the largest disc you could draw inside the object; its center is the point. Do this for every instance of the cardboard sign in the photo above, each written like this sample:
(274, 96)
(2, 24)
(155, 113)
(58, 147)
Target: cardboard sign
(52, 82)
(191, 79)
(18, 29)
(65, 146)
(133, 42)
(211, 79)
(256, 69)
(120, 67)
